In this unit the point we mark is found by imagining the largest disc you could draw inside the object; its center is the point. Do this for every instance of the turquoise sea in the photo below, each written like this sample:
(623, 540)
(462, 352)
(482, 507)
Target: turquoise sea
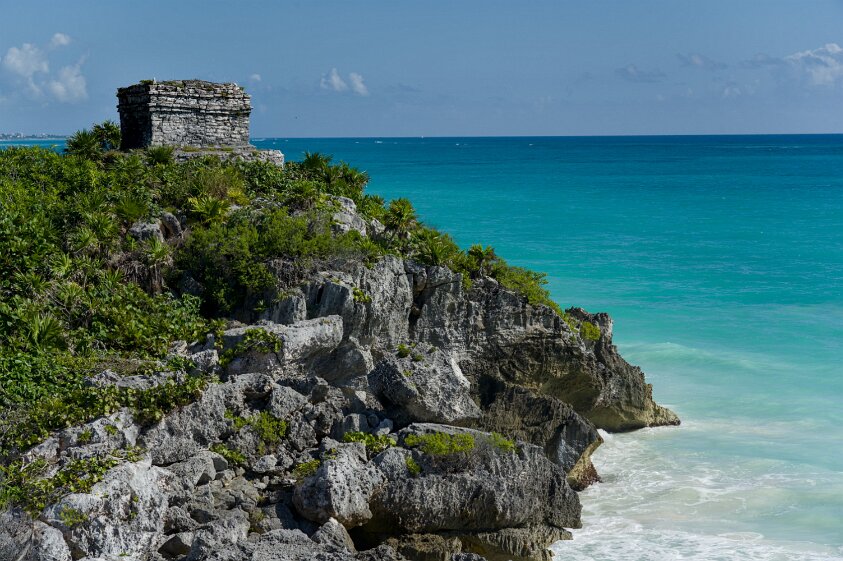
(721, 261)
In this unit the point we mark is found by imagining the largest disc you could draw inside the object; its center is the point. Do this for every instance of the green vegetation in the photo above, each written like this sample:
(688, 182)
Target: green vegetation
(80, 293)
(25, 427)
(267, 427)
(306, 469)
(413, 466)
(71, 517)
(234, 457)
(258, 340)
(361, 296)
(501, 443)
(440, 443)
(403, 351)
(28, 486)
(589, 331)
(374, 444)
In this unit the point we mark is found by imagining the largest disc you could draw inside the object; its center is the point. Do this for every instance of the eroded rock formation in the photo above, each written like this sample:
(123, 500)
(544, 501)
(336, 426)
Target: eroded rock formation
(400, 415)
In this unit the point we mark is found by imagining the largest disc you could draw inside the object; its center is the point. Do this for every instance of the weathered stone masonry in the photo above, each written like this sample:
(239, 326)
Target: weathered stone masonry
(183, 113)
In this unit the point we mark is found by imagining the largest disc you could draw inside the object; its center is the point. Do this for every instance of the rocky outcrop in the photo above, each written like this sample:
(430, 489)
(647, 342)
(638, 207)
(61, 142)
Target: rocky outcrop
(382, 413)
(122, 515)
(425, 385)
(340, 489)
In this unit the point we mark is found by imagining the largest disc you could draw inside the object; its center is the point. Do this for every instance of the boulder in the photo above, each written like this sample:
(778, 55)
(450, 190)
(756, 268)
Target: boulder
(332, 533)
(300, 341)
(346, 218)
(294, 545)
(427, 386)
(567, 438)
(123, 514)
(340, 489)
(485, 488)
(25, 539)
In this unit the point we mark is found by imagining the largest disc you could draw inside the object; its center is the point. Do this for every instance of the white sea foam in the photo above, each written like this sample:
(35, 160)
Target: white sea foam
(619, 539)
(664, 498)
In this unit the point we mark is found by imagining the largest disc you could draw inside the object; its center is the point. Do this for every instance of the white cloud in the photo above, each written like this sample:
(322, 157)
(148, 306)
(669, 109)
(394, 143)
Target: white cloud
(700, 61)
(60, 40)
(255, 78)
(632, 73)
(29, 65)
(357, 85)
(821, 67)
(333, 81)
(70, 85)
(25, 61)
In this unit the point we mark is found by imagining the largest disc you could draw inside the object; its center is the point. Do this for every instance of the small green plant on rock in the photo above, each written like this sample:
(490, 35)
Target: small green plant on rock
(360, 295)
(589, 331)
(234, 457)
(72, 517)
(306, 469)
(269, 428)
(413, 466)
(440, 443)
(502, 443)
(25, 484)
(258, 340)
(374, 444)
(403, 351)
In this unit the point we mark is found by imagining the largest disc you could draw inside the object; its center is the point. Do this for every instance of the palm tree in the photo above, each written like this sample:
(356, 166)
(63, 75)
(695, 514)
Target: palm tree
(84, 144)
(159, 155)
(482, 258)
(108, 133)
(400, 218)
(315, 161)
(434, 248)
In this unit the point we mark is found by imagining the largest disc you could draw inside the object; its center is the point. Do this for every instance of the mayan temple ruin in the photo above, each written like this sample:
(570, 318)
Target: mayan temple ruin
(194, 116)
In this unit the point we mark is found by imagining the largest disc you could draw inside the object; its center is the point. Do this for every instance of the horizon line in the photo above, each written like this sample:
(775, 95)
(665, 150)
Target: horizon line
(51, 136)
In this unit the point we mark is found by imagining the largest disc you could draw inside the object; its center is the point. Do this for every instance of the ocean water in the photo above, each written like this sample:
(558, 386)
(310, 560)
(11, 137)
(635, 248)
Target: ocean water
(721, 261)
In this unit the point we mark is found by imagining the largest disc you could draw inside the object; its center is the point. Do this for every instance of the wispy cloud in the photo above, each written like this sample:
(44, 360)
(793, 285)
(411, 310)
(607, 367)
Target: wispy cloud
(255, 78)
(60, 40)
(632, 73)
(25, 62)
(821, 67)
(29, 68)
(333, 81)
(813, 67)
(762, 60)
(70, 85)
(357, 85)
(700, 61)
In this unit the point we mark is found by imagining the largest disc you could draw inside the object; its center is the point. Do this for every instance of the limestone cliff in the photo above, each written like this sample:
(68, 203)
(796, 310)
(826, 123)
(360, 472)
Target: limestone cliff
(397, 413)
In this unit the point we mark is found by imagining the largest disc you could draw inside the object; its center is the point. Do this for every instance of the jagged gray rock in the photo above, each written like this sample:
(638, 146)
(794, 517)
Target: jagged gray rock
(301, 341)
(332, 533)
(484, 489)
(427, 385)
(346, 218)
(123, 513)
(340, 489)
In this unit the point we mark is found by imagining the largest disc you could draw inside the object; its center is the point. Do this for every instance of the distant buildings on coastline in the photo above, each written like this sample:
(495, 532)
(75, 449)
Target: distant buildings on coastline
(21, 136)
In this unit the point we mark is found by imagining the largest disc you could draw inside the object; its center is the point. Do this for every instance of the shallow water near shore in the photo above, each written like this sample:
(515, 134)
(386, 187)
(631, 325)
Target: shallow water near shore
(721, 261)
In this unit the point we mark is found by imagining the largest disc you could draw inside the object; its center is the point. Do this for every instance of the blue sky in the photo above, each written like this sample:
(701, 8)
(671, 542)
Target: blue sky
(439, 68)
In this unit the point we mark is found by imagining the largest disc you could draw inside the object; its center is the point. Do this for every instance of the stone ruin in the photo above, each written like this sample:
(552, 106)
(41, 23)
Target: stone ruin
(194, 116)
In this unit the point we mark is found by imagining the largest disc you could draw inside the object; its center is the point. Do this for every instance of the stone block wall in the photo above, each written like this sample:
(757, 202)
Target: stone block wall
(183, 113)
